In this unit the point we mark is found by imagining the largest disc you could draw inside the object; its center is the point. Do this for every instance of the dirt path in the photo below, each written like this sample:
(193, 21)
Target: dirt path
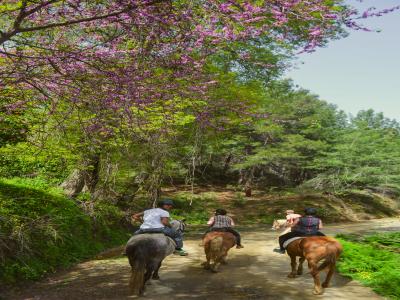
(254, 272)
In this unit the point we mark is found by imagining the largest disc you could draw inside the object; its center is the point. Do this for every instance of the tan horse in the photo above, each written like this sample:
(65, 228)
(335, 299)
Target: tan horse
(315, 249)
(216, 246)
(279, 224)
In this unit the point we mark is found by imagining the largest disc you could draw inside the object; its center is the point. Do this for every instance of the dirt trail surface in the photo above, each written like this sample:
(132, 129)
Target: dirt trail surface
(255, 272)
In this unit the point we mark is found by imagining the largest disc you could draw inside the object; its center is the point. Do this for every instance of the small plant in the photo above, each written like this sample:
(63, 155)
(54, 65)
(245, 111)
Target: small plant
(239, 200)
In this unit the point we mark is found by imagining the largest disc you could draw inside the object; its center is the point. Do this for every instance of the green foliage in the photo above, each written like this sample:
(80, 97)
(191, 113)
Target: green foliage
(239, 200)
(195, 208)
(364, 259)
(42, 230)
(24, 159)
(365, 154)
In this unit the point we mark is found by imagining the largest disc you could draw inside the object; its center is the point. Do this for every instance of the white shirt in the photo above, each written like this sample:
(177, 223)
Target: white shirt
(152, 218)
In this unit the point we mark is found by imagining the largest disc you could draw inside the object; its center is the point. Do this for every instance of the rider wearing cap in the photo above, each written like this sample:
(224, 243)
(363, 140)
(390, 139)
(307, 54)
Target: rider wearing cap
(156, 220)
(309, 225)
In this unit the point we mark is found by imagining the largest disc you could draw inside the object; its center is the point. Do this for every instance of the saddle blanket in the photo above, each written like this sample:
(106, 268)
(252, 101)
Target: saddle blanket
(285, 244)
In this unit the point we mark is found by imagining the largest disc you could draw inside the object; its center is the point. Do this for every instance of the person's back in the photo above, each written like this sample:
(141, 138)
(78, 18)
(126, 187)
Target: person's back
(308, 225)
(152, 218)
(222, 221)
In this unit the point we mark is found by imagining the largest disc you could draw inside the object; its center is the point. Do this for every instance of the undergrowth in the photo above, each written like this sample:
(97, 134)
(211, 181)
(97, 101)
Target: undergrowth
(41, 229)
(373, 260)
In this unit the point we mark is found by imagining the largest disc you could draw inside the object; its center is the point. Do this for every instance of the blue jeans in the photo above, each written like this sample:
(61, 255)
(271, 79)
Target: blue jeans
(170, 232)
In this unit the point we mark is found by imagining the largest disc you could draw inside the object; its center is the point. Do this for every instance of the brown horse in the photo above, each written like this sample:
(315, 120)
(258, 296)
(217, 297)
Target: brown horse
(315, 249)
(216, 246)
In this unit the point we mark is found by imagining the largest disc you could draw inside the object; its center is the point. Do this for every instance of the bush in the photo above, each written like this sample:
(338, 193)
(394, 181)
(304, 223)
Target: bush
(42, 230)
(23, 159)
(372, 263)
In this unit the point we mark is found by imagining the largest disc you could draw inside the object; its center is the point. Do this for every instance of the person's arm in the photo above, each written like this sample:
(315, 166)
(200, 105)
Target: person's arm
(138, 217)
(211, 221)
(164, 217)
(320, 224)
(165, 221)
(232, 223)
(289, 221)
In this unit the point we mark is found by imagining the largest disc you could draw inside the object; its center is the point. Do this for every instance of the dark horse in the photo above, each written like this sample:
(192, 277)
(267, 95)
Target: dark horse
(146, 253)
(315, 249)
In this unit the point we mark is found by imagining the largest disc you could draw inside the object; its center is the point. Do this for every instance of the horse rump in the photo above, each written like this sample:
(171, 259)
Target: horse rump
(332, 253)
(141, 259)
(216, 245)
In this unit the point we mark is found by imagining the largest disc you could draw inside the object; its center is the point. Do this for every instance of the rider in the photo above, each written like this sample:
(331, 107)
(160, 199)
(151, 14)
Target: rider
(309, 225)
(291, 217)
(221, 222)
(156, 220)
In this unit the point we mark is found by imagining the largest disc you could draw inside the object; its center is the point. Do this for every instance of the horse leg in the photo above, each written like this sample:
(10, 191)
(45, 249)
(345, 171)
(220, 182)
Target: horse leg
(147, 276)
(155, 274)
(325, 284)
(206, 264)
(300, 268)
(315, 274)
(223, 260)
(293, 264)
(215, 265)
(218, 260)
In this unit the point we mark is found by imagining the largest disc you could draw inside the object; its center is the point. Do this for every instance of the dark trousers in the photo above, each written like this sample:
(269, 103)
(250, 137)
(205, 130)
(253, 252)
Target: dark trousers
(292, 234)
(226, 229)
(170, 232)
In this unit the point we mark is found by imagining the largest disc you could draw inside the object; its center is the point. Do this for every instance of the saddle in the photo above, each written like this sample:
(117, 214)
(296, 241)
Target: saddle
(286, 243)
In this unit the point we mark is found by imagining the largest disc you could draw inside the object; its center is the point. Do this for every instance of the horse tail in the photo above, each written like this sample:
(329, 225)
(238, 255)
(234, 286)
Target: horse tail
(333, 250)
(137, 260)
(216, 247)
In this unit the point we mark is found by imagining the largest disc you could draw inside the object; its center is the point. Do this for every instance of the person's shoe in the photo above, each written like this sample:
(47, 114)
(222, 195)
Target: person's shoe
(181, 252)
(239, 247)
(281, 251)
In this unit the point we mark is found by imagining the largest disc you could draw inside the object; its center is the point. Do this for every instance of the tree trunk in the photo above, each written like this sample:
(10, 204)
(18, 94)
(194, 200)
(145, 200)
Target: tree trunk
(85, 179)
(249, 182)
(74, 184)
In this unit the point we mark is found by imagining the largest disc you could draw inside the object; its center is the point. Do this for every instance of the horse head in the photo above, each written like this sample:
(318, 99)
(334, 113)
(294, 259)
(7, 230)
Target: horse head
(278, 224)
(178, 225)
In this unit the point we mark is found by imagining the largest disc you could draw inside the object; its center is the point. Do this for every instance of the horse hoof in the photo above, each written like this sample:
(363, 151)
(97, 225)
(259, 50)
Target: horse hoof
(299, 273)
(156, 277)
(291, 275)
(325, 285)
(315, 292)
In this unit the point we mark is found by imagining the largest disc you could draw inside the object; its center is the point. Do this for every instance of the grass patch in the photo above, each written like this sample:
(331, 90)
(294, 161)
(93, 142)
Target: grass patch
(373, 261)
(41, 229)
(195, 208)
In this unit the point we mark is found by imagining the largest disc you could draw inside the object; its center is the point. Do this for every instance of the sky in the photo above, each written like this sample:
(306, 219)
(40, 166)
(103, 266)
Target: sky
(361, 71)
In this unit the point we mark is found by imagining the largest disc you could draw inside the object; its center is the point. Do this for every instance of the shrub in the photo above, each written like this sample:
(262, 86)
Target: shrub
(365, 260)
(42, 230)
